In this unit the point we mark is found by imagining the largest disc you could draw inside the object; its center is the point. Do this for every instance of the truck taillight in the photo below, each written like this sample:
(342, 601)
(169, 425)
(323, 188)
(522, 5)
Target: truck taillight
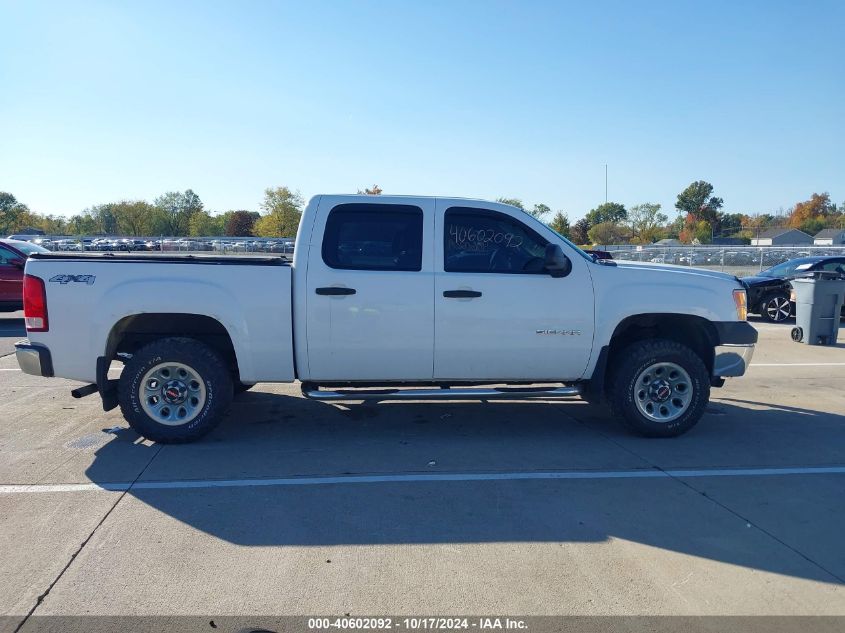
(35, 304)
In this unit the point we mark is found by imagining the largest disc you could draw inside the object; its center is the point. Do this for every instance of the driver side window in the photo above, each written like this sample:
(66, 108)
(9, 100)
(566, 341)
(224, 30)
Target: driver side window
(483, 241)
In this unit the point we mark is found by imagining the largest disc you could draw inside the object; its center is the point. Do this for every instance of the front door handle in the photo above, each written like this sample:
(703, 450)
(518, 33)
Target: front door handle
(461, 294)
(333, 291)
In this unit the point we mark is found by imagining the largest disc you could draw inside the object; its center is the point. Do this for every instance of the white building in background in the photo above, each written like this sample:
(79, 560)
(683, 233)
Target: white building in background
(830, 237)
(782, 237)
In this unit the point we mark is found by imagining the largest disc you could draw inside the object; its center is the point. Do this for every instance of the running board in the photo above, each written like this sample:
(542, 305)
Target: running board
(498, 393)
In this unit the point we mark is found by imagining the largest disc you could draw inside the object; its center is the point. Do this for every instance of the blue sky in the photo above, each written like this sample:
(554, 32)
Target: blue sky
(112, 100)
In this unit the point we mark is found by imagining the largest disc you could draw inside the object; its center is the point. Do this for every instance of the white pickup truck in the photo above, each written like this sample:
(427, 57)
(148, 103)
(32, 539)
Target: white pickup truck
(388, 298)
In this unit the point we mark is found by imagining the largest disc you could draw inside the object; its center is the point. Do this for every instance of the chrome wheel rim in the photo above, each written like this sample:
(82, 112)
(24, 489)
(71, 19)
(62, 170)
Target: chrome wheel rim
(172, 393)
(777, 308)
(663, 392)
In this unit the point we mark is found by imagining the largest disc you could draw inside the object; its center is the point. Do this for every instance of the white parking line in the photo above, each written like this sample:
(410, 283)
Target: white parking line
(420, 478)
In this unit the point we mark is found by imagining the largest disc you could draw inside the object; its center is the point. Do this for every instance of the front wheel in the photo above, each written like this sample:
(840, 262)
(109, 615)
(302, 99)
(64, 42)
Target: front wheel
(175, 390)
(660, 388)
(776, 308)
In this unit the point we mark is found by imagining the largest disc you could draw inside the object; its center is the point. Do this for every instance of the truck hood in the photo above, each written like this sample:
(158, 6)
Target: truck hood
(672, 269)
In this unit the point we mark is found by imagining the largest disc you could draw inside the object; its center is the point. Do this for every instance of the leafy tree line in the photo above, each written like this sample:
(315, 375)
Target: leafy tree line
(173, 214)
(699, 218)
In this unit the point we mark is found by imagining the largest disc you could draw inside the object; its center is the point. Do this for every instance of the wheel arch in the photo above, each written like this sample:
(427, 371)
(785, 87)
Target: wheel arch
(136, 330)
(693, 331)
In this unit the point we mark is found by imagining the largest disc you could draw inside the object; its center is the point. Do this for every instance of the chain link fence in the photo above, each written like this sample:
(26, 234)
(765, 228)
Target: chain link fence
(741, 261)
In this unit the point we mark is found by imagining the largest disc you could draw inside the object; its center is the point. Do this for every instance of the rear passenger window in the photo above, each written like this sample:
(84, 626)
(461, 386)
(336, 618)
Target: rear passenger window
(484, 241)
(374, 237)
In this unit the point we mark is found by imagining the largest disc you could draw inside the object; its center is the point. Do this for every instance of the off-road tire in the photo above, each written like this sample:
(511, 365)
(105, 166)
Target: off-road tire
(209, 367)
(636, 358)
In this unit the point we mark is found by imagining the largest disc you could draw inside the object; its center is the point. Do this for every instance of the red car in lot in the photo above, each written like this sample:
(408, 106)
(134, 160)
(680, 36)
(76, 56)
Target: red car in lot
(13, 254)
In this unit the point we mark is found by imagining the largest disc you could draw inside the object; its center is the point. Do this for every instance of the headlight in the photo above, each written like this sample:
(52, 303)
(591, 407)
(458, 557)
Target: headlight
(741, 302)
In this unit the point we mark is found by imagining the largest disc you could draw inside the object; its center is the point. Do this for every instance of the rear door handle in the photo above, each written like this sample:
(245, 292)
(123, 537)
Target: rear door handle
(333, 291)
(461, 294)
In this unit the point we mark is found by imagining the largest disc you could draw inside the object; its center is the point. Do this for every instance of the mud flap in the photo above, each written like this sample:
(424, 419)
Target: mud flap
(106, 386)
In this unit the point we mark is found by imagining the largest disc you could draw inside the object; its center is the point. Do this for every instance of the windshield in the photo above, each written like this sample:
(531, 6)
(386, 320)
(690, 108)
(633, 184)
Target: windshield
(27, 248)
(786, 269)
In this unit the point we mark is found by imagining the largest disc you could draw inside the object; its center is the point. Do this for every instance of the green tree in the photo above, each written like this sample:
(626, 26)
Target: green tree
(50, 224)
(133, 217)
(560, 223)
(579, 233)
(697, 200)
(539, 210)
(203, 224)
(607, 212)
(175, 210)
(647, 222)
(731, 223)
(283, 210)
(240, 223)
(101, 219)
(12, 213)
(81, 224)
(609, 233)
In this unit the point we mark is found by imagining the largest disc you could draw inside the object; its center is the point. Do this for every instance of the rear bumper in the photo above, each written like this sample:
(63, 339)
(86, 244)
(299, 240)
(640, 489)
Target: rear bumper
(734, 348)
(34, 359)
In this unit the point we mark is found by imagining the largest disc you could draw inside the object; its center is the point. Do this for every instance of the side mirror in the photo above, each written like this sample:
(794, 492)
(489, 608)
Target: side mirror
(557, 264)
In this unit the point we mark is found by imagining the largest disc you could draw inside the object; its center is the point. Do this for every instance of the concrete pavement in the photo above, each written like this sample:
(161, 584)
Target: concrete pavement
(616, 543)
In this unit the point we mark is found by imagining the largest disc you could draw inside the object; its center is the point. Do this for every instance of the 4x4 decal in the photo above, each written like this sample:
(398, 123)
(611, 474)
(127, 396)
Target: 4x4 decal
(80, 279)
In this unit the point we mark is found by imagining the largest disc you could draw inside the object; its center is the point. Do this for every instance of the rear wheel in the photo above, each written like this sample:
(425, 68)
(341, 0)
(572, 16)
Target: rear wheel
(776, 308)
(175, 390)
(660, 388)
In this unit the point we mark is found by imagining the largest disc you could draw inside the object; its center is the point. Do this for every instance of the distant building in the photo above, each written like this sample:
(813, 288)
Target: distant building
(729, 241)
(30, 231)
(782, 237)
(668, 242)
(829, 237)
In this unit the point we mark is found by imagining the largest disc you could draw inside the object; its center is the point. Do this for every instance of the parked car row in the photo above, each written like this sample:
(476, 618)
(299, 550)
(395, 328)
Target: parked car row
(134, 245)
(709, 257)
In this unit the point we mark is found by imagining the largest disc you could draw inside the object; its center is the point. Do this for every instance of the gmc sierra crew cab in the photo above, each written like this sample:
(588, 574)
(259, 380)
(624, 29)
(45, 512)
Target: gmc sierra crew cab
(388, 298)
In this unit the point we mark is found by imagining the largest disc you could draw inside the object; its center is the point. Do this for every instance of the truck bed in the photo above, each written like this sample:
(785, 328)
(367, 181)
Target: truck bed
(92, 295)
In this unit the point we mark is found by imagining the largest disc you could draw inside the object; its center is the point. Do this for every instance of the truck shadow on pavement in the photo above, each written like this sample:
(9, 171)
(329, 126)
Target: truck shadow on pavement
(784, 525)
